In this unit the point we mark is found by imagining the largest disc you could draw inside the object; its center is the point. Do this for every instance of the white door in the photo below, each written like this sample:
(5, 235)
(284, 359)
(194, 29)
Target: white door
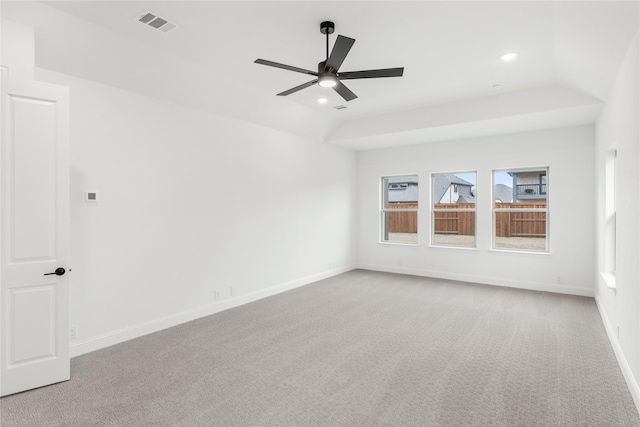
(34, 235)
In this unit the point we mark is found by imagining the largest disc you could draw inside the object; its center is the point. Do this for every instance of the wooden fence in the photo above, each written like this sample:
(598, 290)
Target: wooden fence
(460, 223)
(521, 224)
(403, 222)
(508, 224)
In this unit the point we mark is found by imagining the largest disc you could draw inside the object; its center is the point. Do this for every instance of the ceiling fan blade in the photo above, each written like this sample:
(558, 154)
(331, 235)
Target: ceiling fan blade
(344, 92)
(339, 52)
(297, 88)
(371, 74)
(284, 67)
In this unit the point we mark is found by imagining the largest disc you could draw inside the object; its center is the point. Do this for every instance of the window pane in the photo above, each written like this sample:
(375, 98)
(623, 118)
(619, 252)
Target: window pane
(399, 209)
(402, 227)
(520, 209)
(455, 229)
(453, 210)
(521, 230)
(610, 213)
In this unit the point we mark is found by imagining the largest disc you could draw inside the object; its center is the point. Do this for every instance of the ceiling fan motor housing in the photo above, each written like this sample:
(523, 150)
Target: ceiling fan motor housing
(327, 27)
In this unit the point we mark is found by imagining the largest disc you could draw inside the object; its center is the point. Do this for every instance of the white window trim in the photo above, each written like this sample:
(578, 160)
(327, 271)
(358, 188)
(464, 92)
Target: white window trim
(383, 211)
(610, 224)
(494, 210)
(610, 281)
(433, 210)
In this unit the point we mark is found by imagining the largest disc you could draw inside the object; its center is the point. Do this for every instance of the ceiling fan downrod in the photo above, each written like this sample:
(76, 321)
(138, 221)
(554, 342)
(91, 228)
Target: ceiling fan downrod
(326, 28)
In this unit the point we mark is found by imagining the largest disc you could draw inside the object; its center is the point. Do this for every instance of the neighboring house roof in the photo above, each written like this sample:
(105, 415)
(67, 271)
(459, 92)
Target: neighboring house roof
(408, 194)
(504, 193)
(442, 182)
(403, 179)
(466, 199)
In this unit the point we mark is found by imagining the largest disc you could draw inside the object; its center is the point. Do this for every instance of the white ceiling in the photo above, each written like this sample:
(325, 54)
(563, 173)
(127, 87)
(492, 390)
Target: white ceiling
(450, 51)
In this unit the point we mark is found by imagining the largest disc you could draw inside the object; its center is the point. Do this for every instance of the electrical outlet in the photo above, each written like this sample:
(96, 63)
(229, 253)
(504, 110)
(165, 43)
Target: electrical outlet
(73, 332)
(216, 295)
(232, 291)
(559, 279)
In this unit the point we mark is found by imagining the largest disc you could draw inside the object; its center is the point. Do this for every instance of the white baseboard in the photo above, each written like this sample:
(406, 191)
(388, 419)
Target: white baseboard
(80, 347)
(510, 283)
(622, 360)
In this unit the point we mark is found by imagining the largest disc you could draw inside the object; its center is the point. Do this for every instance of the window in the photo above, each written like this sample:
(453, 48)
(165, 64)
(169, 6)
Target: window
(610, 220)
(520, 210)
(453, 209)
(399, 212)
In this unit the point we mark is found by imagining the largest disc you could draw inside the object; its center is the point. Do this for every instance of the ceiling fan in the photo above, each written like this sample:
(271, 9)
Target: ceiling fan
(327, 74)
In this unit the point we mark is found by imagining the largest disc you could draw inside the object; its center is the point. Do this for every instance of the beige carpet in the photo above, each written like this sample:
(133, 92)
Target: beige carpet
(359, 349)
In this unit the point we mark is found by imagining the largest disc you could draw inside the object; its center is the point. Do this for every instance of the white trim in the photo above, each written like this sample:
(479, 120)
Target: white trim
(464, 248)
(454, 209)
(382, 224)
(393, 242)
(80, 347)
(494, 210)
(545, 210)
(632, 384)
(509, 283)
(520, 252)
(609, 280)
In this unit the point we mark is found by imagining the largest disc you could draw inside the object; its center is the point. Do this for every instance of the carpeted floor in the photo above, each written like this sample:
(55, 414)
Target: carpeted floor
(359, 349)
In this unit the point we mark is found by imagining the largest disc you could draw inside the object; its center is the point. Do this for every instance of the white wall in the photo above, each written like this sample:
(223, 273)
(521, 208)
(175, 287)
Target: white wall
(568, 152)
(618, 125)
(17, 54)
(191, 202)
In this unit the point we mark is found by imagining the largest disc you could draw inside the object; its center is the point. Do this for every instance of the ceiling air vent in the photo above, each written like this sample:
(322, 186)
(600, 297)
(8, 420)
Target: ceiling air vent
(340, 107)
(153, 20)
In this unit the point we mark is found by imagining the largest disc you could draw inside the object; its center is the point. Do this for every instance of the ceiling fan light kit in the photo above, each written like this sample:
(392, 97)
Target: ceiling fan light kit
(327, 80)
(328, 75)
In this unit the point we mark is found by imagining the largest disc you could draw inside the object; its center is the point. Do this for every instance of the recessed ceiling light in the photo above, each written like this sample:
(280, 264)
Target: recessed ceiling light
(322, 100)
(497, 86)
(509, 56)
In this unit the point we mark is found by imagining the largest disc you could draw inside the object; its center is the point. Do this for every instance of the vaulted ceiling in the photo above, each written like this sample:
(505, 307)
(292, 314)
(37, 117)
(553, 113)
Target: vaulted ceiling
(569, 53)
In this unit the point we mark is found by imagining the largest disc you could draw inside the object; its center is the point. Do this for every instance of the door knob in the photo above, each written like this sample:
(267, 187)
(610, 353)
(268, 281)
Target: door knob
(59, 272)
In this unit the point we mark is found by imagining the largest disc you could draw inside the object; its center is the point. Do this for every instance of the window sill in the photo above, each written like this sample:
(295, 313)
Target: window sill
(610, 281)
(464, 248)
(398, 243)
(510, 251)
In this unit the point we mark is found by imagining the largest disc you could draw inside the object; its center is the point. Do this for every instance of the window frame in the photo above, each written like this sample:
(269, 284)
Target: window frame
(545, 210)
(610, 219)
(433, 210)
(383, 224)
